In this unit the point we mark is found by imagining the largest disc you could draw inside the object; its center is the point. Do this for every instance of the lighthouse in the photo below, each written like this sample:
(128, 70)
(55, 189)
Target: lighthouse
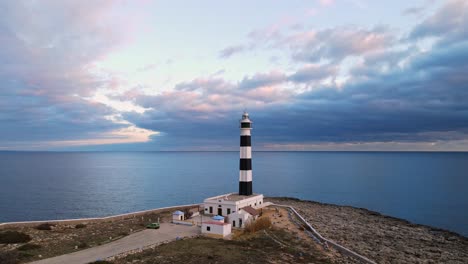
(245, 163)
(239, 207)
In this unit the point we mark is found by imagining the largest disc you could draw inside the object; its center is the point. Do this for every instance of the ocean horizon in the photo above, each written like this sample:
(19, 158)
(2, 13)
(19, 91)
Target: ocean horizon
(422, 187)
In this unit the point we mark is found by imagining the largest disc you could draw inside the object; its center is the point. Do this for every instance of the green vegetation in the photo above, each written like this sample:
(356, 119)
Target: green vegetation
(9, 257)
(13, 237)
(80, 226)
(82, 245)
(257, 225)
(26, 247)
(45, 226)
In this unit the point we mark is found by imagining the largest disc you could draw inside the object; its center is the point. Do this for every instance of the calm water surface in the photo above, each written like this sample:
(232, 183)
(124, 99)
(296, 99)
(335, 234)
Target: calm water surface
(425, 188)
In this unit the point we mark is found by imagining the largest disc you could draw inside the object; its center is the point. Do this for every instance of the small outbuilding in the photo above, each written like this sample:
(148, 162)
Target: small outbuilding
(178, 216)
(243, 216)
(216, 229)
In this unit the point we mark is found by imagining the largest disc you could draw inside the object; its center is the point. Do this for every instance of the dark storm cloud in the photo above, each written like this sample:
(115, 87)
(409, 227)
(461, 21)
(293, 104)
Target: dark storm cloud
(393, 95)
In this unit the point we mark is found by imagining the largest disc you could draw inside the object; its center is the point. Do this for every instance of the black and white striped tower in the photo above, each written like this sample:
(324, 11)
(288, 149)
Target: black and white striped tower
(245, 164)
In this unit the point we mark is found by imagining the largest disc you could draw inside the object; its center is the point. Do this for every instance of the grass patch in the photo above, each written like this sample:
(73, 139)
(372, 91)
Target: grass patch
(82, 245)
(45, 226)
(26, 247)
(13, 237)
(9, 257)
(80, 226)
(257, 225)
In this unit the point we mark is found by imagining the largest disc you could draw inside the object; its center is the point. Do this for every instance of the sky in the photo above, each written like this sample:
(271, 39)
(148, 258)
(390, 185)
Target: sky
(351, 75)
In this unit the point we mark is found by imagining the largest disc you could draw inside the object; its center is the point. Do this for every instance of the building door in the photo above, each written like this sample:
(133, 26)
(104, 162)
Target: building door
(233, 223)
(211, 209)
(240, 222)
(220, 211)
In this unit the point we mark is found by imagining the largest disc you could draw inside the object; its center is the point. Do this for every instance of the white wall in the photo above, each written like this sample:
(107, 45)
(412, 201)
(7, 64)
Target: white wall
(246, 217)
(255, 202)
(223, 207)
(219, 230)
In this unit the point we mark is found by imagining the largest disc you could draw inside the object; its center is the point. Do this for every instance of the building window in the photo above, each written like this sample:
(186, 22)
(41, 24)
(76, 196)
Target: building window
(240, 222)
(208, 228)
(233, 223)
(255, 204)
(260, 202)
(206, 209)
(211, 209)
(219, 205)
(228, 210)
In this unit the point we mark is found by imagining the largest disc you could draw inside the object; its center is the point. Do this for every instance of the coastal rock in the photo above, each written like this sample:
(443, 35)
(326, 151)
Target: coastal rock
(381, 238)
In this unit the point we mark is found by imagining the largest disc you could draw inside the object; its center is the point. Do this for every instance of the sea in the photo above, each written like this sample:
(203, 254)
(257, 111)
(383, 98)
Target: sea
(428, 188)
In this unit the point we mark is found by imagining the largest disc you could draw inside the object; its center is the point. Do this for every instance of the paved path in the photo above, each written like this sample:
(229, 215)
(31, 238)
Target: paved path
(134, 241)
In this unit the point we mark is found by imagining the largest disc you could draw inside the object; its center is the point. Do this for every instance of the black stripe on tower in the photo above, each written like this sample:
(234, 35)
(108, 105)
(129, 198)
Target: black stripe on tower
(245, 188)
(245, 164)
(245, 141)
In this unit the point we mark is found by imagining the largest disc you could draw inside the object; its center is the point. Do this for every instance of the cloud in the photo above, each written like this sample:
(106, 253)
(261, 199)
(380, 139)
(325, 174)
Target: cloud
(338, 43)
(313, 72)
(344, 86)
(449, 22)
(262, 79)
(48, 54)
(395, 97)
(231, 50)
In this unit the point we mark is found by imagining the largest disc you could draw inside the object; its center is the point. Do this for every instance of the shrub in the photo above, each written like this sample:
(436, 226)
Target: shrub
(13, 237)
(82, 245)
(80, 226)
(9, 257)
(45, 226)
(29, 247)
(257, 225)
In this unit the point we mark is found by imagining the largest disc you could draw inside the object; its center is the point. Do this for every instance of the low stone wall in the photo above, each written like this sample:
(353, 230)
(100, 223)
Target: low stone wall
(93, 220)
(327, 242)
(187, 223)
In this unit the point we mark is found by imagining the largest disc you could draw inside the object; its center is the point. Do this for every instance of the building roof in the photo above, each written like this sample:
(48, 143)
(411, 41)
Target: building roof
(231, 197)
(218, 217)
(178, 213)
(215, 223)
(250, 210)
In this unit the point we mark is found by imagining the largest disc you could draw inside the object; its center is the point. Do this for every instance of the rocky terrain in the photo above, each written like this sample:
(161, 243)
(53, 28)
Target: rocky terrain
(381, 238)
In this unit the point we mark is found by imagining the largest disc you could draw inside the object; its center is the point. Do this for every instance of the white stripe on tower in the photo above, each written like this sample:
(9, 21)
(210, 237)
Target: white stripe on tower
(245, 163)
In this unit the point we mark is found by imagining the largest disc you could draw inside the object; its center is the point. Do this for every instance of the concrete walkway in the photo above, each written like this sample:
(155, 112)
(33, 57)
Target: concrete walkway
(134, 241)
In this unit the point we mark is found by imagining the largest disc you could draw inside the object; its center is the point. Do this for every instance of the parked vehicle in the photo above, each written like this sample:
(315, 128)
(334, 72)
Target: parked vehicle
(153, 226)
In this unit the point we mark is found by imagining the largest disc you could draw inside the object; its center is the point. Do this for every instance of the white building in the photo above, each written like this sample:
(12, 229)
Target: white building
(230, 203)
(243, 216)
(178, 216)
(216, 227)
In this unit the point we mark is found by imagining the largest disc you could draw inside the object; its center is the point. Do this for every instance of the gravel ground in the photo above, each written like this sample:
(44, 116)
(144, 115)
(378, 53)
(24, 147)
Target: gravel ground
(381, 238)
(63, 238)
